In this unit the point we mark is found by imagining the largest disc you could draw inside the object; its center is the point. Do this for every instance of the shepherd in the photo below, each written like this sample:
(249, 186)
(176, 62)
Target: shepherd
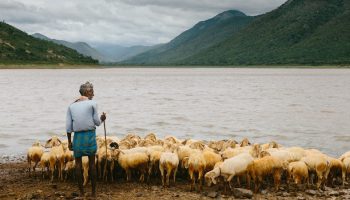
(82, 119)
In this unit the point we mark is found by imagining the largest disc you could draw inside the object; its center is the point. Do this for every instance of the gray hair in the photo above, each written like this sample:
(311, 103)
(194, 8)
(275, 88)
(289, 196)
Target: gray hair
(86, 87)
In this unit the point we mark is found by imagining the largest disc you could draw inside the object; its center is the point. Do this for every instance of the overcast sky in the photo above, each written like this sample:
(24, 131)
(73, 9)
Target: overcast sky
(123, 22)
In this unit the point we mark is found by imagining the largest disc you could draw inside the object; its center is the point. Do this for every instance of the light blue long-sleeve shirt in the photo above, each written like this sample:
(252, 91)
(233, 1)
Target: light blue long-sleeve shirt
(82, 116)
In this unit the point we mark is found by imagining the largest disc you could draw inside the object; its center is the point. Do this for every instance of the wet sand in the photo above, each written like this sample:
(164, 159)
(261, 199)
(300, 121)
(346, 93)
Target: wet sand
(16, 184)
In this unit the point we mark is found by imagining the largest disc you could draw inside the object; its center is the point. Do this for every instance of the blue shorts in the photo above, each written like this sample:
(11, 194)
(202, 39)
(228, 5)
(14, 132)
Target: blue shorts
(84, 143)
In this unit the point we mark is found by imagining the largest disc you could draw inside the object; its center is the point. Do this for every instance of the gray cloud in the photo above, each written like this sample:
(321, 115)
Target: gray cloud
(124, 22)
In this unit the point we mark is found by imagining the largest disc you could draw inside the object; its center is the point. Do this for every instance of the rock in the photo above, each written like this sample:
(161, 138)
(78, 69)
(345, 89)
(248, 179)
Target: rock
(139, 194)
(11, 194)
(300, 198)
(212, 194)
(285, 194)
(263, 192)
(176, 195)
(311, 192)
(154, 188)
(242, 193)
(34, 195)
(39, 191)
(327, 188)
(53, 185)
(74, 194)
(59, 194)
(333, 193)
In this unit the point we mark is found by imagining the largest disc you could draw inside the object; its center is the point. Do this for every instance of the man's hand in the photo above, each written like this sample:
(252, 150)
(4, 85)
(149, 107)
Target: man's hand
(103, 117)
(70, 146)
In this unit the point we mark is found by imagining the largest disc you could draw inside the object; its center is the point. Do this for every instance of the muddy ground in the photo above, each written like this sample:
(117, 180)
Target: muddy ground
(16, 184)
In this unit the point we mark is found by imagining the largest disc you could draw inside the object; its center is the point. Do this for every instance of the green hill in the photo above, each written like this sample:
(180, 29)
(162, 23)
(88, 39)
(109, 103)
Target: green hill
(202, 36)
(17, 47)
(300, 32)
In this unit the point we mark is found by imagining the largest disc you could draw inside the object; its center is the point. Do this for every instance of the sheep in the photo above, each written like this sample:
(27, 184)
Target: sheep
(45, 163)
(125, 145)
(210, 177)
(85, 165)
(344, 155)
(197, 145)
(244, 142)
(101, 141)
(138, 161)
(298, 172)
(69, 169)
(195, 163)
(297, 152)
(168, 162)
(253, 150)
(230, 152)
(104, 156)
(151, 137)
(132, 138)
(346, 162)
(56, 156)
(265, 166)
(285, 155)
(188, 142)
(211, 159)
(154, 157)
(145, 143)
(336, 169)
(67, 155)
(172, 140)
(228, 169)
(319, 164)
(34, 155)
(184, 151)
(270, 145)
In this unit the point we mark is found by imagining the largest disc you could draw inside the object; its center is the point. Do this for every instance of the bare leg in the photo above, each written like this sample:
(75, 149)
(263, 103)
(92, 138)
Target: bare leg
(78, 169)
(92, 168)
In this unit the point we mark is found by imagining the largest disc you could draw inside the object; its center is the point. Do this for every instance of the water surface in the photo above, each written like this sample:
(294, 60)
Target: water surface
(295, 107)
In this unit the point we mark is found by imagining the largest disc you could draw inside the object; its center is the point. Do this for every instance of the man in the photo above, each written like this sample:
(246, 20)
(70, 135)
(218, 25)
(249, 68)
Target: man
(82, 119)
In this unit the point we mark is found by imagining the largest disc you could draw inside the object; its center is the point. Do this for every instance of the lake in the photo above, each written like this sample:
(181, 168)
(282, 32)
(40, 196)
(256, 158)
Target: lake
(295, 107)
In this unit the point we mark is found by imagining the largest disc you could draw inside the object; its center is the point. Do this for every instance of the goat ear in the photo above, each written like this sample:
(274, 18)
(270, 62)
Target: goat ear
(59, 140)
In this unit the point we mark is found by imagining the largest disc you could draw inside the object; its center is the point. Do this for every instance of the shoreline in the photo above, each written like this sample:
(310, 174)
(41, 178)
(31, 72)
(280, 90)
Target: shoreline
(102, 66)
(18, 185)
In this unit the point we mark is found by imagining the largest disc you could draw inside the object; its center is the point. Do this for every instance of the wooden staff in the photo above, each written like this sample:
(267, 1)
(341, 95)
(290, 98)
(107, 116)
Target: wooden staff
(104, 126)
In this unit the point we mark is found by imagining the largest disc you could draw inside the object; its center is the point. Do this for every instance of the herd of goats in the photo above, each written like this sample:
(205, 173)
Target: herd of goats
(224, 162)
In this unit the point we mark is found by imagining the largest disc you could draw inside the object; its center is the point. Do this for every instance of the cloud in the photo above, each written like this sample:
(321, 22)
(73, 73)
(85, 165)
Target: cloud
(123, 22)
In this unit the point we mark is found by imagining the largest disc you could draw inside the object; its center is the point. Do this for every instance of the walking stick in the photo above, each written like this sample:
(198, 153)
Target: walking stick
(105, 168)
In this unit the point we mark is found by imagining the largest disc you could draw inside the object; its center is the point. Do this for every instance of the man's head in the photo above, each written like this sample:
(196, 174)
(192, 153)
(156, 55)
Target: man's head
(87, 89)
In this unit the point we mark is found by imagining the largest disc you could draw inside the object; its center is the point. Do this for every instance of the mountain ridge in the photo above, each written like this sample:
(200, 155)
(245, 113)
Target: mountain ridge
(200, 36)
(17, 47)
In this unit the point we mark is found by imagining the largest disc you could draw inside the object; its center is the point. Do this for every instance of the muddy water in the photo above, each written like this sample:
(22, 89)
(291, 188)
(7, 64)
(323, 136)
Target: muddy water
(303, 107)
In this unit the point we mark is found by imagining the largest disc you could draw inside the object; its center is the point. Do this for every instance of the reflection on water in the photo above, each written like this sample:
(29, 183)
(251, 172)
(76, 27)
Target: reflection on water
(302, 107)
